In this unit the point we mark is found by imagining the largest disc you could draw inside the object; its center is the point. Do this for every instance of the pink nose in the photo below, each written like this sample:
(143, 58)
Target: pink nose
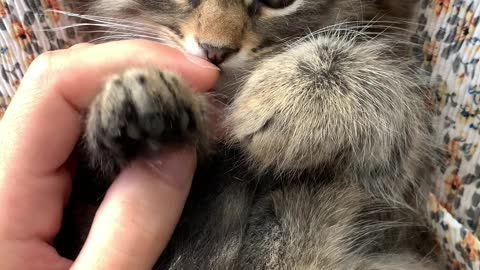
(217, 55)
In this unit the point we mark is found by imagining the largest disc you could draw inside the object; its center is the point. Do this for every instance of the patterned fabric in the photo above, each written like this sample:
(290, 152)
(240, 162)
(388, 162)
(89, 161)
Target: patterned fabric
(27, 30)
(447, 29)
(451, 37)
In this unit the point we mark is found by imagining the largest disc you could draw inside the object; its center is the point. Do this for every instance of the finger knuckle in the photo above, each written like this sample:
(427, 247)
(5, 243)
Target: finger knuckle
(41, 69)
(43, 62)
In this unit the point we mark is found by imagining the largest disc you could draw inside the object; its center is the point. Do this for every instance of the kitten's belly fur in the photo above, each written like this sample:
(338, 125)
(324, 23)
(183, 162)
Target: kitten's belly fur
(237, 219)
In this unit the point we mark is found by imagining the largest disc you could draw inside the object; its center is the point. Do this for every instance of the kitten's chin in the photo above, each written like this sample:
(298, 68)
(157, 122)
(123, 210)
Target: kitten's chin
(234, 62)
(232, 73)
(228, 84)
(218, 119)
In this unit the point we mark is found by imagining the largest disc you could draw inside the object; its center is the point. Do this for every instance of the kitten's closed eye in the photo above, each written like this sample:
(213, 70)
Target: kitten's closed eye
(277, 3)
(194, 3)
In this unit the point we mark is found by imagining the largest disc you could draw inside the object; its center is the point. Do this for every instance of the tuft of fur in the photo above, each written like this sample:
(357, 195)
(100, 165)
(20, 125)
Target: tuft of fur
(327, 155)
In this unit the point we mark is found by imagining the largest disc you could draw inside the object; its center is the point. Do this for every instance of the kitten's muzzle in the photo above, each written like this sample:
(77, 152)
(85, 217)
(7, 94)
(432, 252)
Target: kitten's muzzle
(216, 55)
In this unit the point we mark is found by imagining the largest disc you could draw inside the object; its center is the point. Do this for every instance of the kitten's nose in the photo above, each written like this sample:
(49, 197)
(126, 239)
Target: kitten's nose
(217, 55)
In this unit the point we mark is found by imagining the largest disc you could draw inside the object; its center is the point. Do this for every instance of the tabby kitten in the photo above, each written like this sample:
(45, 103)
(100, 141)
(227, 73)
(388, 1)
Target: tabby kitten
(327, 152)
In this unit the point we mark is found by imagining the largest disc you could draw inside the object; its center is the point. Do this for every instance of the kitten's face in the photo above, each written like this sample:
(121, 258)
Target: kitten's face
(234, 33)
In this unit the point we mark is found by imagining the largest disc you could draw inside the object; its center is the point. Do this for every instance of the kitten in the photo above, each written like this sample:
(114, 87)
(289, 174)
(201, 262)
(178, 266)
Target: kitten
(327, 155)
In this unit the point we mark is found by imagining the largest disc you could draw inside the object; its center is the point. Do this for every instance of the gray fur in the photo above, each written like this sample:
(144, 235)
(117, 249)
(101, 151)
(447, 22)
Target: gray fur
(327, 156)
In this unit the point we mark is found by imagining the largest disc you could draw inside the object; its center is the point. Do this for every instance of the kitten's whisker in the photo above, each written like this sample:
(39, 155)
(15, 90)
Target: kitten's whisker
(120, 24)
(115, 32)
(124, 23)
(80, 25)
(390, 22)
(359, 28)
(348, 33)
(370, 23)
(108, 20)
(118, 30)
(126, 29)
(130, 36)
(165, 40)
(337, 32)
(363, 25)
(102, 23)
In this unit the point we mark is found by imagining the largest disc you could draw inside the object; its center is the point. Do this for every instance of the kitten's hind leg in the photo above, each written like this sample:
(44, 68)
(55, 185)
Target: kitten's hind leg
(138, 113)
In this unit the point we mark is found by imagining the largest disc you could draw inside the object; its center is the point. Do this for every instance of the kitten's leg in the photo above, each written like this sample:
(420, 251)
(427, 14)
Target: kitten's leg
(335, 227)
(338, 103)
(137, 114)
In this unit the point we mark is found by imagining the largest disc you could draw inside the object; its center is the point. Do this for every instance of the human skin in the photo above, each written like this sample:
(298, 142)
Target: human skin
(37, 136)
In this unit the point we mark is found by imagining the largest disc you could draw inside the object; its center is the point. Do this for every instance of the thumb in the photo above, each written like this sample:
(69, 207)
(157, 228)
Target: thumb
(139, 213)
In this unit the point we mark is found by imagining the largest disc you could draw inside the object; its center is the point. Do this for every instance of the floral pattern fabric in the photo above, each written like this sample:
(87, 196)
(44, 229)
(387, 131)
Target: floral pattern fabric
(27, 29)
(450, 33)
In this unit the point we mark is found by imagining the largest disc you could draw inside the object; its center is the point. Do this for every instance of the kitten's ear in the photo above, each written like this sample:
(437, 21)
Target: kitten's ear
(397, 8)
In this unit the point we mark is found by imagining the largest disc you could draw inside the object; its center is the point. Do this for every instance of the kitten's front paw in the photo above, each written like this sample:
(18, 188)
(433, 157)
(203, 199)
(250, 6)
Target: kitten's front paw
(330, 101)
(138, 113)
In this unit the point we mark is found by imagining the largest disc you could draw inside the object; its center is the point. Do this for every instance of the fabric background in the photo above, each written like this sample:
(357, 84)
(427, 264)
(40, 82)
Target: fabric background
(450, 36)
(27, 29)
(449, 32)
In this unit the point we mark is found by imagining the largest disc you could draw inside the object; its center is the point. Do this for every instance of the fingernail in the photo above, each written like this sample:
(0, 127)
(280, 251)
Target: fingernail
(176, 166)
(200, 62)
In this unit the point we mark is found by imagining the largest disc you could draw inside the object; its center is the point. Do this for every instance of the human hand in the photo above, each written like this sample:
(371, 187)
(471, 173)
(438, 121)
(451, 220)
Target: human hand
(37, 135)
